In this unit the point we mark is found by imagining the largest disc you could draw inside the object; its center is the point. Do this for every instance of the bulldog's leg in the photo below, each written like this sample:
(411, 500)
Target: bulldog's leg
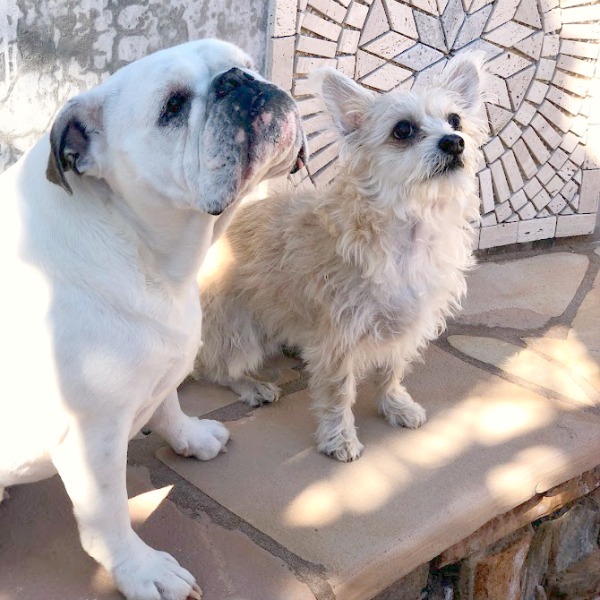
(91, 461)
(188, 436)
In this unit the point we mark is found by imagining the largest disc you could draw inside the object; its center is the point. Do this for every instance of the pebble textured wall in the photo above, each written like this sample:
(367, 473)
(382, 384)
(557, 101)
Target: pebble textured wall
(50, 50)
(541, 179)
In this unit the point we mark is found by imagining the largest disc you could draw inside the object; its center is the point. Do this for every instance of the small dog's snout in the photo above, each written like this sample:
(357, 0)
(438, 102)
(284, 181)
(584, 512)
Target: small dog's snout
(452, 144)
(231, 80)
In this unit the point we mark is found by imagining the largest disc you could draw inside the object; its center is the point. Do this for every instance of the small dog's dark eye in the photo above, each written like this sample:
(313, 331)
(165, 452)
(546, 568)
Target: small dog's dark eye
(404, 130)
(174, 107)
(454, 121)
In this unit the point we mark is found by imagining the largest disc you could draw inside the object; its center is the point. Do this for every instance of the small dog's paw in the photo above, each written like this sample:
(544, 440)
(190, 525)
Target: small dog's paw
(152, 575)
(407, 413)
(342, 449)
(257, 393)
(202, 439)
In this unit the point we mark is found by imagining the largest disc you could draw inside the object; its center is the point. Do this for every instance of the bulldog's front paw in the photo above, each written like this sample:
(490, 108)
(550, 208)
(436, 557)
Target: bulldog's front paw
(201, 438)
(152, 575)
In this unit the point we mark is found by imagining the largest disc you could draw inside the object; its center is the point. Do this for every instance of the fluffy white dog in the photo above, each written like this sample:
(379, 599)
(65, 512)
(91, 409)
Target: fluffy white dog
(103, 226)
(361, 275)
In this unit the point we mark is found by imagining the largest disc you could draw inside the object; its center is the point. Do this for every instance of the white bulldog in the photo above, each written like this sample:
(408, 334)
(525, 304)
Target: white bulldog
(103, 226)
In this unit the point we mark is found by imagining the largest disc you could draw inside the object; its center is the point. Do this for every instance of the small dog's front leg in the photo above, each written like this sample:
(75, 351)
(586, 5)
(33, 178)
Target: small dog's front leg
(396, 404)
(188, 436)
(91, 460)
(334, 393)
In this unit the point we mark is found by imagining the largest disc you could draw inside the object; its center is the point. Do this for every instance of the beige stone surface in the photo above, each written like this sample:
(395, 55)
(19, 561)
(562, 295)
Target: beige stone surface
(40, 554)
(488, 446)
(523, 293)
(530, 366)
(586, 325)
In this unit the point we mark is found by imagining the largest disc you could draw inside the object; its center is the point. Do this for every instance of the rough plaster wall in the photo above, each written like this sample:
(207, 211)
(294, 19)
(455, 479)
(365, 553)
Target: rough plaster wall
(542, 172)
(51, 50)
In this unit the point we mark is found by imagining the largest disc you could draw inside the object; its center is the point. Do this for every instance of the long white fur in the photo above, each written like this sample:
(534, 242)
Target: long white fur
(360, 275)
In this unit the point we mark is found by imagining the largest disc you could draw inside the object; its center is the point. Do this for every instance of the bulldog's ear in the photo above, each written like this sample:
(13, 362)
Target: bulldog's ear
(73, 136)
(347, 102)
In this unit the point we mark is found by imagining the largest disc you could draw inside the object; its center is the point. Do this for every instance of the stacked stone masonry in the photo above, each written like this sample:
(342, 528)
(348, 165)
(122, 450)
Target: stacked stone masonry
(541, 178)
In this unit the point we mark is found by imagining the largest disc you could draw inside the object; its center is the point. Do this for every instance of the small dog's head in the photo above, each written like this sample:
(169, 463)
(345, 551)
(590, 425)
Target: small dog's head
(416, 146)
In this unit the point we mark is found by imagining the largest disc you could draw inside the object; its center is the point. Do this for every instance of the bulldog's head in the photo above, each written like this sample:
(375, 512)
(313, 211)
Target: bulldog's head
(193, 125)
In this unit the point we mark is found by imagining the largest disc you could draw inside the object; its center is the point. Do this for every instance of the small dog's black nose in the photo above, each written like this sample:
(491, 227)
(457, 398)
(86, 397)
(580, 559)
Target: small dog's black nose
(230, 80)
(452, 144)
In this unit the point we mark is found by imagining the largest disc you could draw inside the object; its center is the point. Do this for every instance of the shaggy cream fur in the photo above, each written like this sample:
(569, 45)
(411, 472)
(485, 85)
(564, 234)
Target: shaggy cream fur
(360, 275)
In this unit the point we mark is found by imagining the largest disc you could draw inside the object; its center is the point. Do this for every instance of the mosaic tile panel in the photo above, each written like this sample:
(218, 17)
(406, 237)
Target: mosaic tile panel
(544, 148)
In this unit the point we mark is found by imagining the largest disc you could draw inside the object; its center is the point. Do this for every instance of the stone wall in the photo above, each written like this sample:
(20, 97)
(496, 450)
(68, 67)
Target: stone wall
(542, 174)
(51, 50)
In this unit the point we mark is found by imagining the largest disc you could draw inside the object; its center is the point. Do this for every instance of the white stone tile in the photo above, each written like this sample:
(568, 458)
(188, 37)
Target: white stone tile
(518, 200)
(327, 174)
(556, 205)
(567, 102)
(473, 26)
(537, 92)
(532, 46)
(524, 159)
(541, 200)
(579, 126)
(535, 145)
(550, 45)
(283, 18)
(418, 57)
(546, 131)
(528, 13)
(357, 13)
(498, 235)
(555, 116)
(512, 171)
(579, 31)
(486, 190)
(348, 41)
(543, 213)
(507, 64)
(569, 142)
(347, 65)
(429, 76)
(510, 134)
(323, 157)
(302, 86)
(430, 31)
(509, 34)
(575, 225)
(429, 6)
(387, 77)
(316, 46)
(503, 211)
(476, 5)
(500, 183)
(504, 10)
(322, 139)
(322, 27)
(281, 51)
(536, 229)
(306, 64)
(310, 106)
(532, 188)
(452, 19)
(569, 190)
(578, 155)
(315, 123)
(567, 211)
(579, 48)
(576, 65)
(548, 5)
(331, 9)
(518, 84)
(527, 212)
(367, 63)
(571, 83)
(401, 18)
(496, 86)
(493, 150)
(554, 185)
(552, 20)
(545, 69)
(489, 219)
(575, 203)
(498, 117)
(545, 174)
(567, 170)
(376, 24)
(525, 113)
(389, 45)
(590, 191)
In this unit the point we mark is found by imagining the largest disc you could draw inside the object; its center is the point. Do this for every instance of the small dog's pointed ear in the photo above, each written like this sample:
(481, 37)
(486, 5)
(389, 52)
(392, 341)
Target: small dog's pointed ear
(464, 75)
(71, 140)
(347, 102)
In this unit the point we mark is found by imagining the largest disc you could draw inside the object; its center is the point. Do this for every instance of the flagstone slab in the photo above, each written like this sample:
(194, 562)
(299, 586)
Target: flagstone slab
(586, 325)
(522, 294)
(41, 557)
(528, 365)
(488, 446)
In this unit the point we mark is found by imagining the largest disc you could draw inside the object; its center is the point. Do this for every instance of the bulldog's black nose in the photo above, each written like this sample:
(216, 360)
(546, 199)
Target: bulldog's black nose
(229, 81)
(452, 144)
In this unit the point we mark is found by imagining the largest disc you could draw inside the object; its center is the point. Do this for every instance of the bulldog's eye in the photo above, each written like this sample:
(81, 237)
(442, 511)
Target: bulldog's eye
(454, 121)
(175, 108)
(404, 130)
